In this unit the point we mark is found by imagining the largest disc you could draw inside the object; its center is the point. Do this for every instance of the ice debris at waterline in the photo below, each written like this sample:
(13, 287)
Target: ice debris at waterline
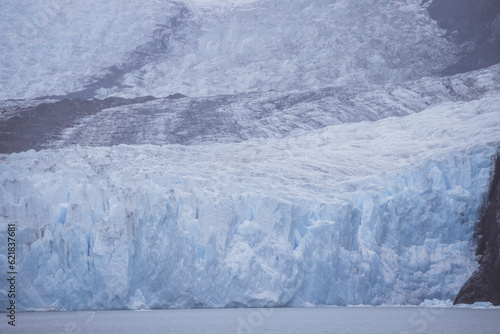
(365, 213)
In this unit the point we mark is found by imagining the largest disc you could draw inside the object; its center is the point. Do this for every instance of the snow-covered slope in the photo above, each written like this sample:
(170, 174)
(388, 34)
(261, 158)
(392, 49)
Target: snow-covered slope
(365, 213)
(200, 47)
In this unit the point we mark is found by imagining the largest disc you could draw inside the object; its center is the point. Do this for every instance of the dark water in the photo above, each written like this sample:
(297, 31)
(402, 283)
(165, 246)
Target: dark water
(284, 320)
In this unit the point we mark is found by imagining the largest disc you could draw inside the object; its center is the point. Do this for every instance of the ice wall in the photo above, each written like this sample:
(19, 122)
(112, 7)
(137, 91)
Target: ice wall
(366, 213)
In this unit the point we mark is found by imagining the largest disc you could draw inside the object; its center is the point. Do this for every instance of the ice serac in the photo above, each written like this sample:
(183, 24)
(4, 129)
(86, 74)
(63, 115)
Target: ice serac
(367, 213)
(484, 284)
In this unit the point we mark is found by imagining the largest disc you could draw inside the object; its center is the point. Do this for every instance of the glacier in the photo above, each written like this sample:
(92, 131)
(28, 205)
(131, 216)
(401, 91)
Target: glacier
(201, 48)
(370, 213)
(252, 153)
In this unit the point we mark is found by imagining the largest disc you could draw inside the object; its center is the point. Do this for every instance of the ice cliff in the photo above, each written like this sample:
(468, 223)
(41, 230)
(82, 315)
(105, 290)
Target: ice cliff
(367, 213)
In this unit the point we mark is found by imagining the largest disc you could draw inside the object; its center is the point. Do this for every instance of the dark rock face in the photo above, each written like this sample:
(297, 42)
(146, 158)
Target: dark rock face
(475, 26)
(33, 127)
(484, 284)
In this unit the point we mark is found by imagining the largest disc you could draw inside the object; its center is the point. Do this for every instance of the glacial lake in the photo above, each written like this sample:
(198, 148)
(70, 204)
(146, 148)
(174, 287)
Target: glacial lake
(343, 320)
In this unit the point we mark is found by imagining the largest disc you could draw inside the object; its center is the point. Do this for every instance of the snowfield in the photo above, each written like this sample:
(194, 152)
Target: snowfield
(367, 213)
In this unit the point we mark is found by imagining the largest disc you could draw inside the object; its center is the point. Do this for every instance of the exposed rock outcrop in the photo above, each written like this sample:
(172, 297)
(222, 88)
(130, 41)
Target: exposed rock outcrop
(484, 284)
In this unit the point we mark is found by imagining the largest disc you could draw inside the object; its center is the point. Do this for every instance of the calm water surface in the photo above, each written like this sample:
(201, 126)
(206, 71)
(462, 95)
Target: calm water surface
(282, 320)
